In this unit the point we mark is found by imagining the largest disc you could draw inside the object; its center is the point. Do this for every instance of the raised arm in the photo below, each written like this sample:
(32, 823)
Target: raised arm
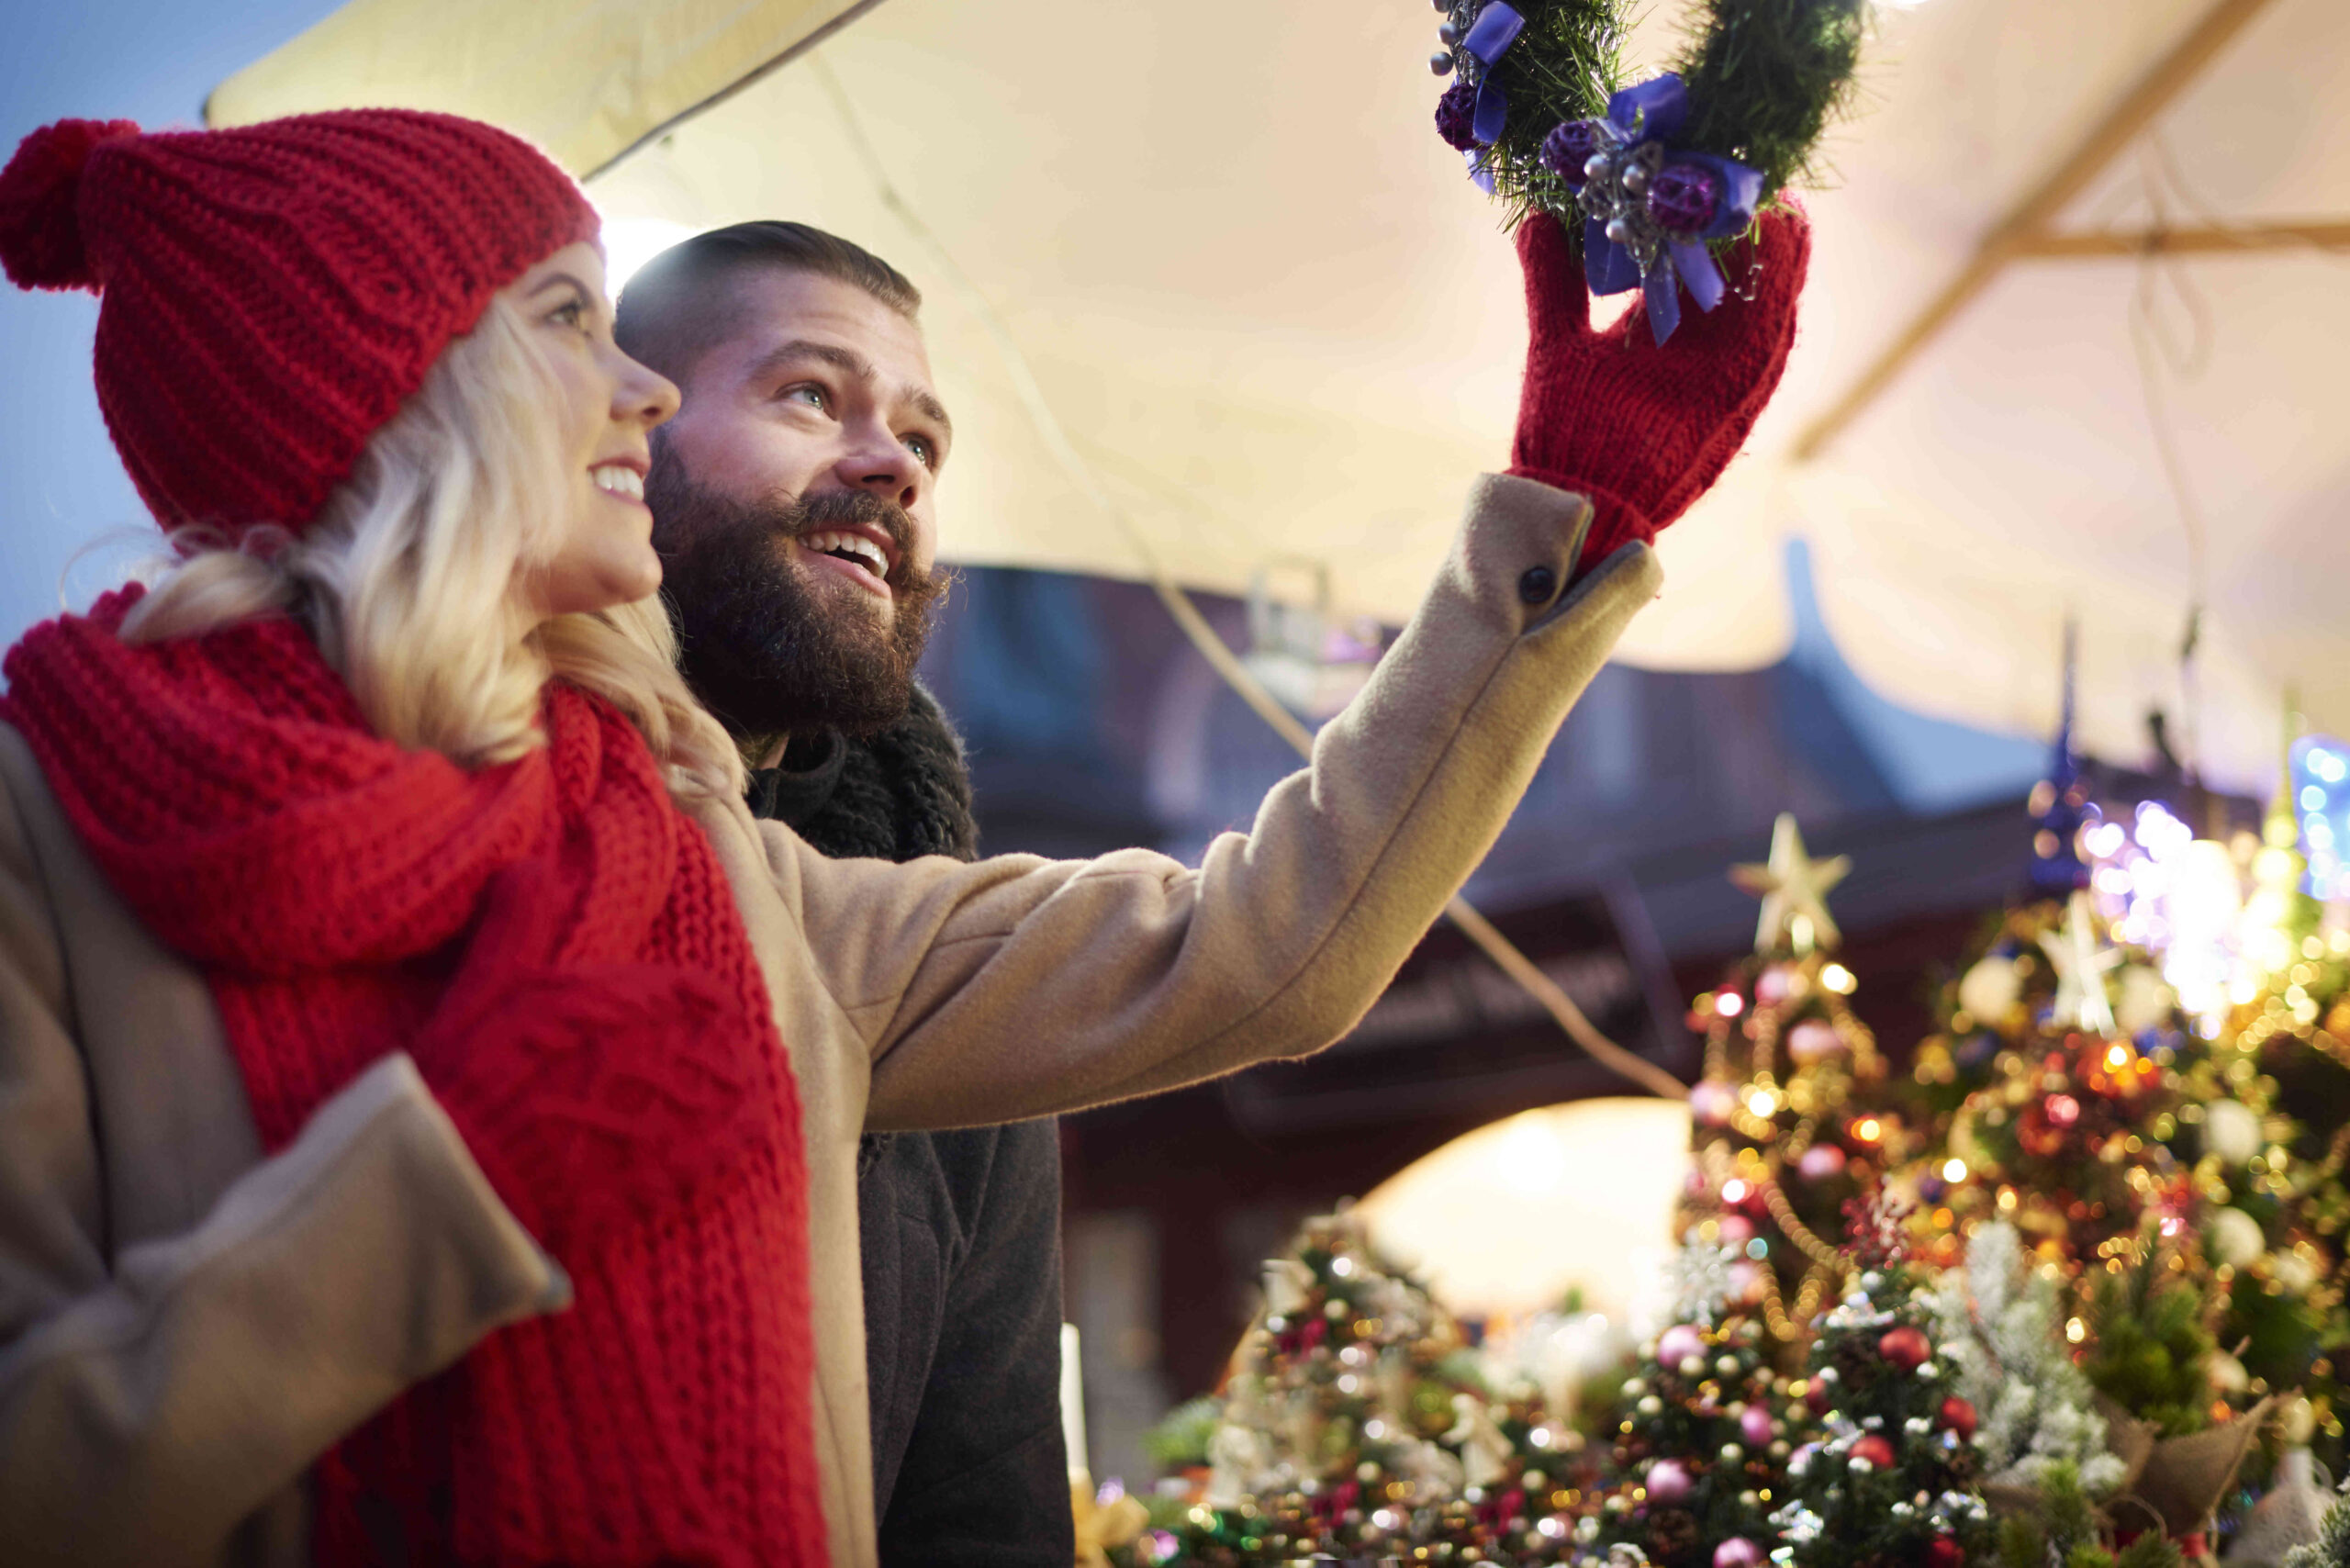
(1015, 986)
(155, 1396)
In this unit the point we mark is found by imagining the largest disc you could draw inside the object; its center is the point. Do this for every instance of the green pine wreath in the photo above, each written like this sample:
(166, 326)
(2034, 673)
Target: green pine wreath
(1764, 80)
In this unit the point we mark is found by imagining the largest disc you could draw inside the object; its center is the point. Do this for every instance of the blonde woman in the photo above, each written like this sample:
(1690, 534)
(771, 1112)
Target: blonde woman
(427, 1102)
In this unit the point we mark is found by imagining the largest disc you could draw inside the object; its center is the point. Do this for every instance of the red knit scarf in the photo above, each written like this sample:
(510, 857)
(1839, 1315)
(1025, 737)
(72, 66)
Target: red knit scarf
(322, 879)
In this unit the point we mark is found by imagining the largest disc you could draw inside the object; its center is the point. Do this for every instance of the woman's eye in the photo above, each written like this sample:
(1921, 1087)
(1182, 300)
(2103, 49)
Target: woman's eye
(570, 313)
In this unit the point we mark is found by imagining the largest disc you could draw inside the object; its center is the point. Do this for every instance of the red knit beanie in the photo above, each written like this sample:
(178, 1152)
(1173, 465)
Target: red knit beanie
(270, 294)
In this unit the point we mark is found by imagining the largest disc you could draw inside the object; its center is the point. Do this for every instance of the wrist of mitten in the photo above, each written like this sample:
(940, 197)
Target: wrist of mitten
(594, 1098)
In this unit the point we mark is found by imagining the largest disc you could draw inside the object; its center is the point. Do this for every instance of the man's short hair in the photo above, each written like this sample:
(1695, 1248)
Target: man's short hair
(676, 307)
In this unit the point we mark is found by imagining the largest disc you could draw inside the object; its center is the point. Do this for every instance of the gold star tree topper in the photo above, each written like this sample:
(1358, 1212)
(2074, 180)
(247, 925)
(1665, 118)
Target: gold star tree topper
(1794, 891)
(2082, 962)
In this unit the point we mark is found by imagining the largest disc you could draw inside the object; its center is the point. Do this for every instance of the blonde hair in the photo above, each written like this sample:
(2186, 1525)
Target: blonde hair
(408, 580)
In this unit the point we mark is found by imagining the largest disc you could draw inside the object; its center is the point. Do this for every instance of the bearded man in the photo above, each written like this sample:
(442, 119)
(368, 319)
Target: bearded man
(794, 508)
(793, 504)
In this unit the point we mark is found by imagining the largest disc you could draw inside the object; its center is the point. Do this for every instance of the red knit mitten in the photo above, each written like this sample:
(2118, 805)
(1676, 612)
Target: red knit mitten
(1644, 429)
(588, 1092)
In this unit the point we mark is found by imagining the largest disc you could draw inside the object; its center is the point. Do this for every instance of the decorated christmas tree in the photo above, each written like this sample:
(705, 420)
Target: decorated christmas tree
(1789, 1121)
(1890, 1482)
(1356, 1423)
(1701, 1434)
(2072, 1127)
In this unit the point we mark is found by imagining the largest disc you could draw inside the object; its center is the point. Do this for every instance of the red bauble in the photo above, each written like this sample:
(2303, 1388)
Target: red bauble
(1875, 1449)
(1905, 1347)
(1959, 1417)
(1816, 1397)
(1945, 1553)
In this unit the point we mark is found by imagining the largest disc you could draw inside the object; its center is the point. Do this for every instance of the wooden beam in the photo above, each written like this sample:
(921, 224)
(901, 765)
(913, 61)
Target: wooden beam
(2250, 239)
(2152, 95)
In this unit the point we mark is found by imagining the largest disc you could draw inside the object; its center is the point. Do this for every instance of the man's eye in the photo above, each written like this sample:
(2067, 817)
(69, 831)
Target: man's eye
(924, 453)
(813, 396)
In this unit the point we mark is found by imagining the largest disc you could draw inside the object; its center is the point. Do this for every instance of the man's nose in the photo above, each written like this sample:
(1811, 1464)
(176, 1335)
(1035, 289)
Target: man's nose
(882, 466)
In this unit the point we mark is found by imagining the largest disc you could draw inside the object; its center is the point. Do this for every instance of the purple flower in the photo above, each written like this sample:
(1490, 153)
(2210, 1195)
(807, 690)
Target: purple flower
(1683, 197)
(1456, 116)
(1569, 147)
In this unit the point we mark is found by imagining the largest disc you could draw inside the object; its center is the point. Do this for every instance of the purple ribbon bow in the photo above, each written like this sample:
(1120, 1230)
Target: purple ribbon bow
(1495, 28)
(1489, 37)
(1649, 210)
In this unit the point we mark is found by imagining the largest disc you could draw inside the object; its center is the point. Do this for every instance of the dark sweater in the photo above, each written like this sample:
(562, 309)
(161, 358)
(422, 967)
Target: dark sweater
(961, 1231)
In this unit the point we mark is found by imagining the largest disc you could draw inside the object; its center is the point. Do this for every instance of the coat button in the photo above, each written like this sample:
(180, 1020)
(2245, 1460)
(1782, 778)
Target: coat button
(1537, 585)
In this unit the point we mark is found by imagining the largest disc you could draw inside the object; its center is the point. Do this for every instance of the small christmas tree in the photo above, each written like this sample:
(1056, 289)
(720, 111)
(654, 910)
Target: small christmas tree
(2332, 1550)
(1702, 1433)
(2151, 1345)
(1356, 1423)
(2063, 1529)
(2001, 1327)
(1891, 1481)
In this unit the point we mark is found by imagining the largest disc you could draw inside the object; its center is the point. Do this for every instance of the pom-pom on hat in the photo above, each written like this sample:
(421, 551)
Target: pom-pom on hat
(269, 294)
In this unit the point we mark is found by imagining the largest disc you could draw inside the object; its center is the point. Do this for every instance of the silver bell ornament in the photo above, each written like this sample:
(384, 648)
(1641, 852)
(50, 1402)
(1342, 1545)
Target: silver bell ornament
(1441, 63)
(1636, 178)
(1618, 231)
(1594, 166)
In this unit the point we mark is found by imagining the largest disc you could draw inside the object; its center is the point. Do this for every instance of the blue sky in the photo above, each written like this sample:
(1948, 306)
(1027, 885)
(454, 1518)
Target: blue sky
(62, 491)
(151, 61)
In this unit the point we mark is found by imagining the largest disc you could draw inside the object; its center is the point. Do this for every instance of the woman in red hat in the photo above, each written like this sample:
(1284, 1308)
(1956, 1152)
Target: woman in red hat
(429, 1103)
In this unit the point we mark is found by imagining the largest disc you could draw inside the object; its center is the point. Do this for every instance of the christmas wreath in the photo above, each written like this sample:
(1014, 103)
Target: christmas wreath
(1653, 178)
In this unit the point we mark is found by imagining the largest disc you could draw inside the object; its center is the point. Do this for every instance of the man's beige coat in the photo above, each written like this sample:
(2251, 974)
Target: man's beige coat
(185, 1326)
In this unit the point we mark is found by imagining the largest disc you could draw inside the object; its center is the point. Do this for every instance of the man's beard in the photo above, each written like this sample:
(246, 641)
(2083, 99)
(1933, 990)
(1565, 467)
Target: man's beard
(767, 652)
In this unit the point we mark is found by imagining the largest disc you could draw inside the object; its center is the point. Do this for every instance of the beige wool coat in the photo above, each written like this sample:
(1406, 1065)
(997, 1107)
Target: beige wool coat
(187, 1325)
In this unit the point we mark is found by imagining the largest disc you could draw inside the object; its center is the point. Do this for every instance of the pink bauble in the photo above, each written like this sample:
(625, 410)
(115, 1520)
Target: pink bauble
(1668, 1481)
(1813, 1040)
(1771, 986)
(1678, 1343)
(1737, 1553)
(1821, 1162)
(1754, 1426)
(1736, 1230)
(1711, 1102)
(1745, 1283)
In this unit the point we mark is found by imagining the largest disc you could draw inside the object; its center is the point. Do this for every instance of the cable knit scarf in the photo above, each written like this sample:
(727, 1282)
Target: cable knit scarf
(322, 879)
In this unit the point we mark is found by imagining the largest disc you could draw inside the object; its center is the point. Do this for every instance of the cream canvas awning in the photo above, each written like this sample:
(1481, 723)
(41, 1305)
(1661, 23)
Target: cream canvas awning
(1281, 327)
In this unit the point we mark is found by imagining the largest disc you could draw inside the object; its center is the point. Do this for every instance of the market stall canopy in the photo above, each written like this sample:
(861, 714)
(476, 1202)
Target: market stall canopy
(1283, 328)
